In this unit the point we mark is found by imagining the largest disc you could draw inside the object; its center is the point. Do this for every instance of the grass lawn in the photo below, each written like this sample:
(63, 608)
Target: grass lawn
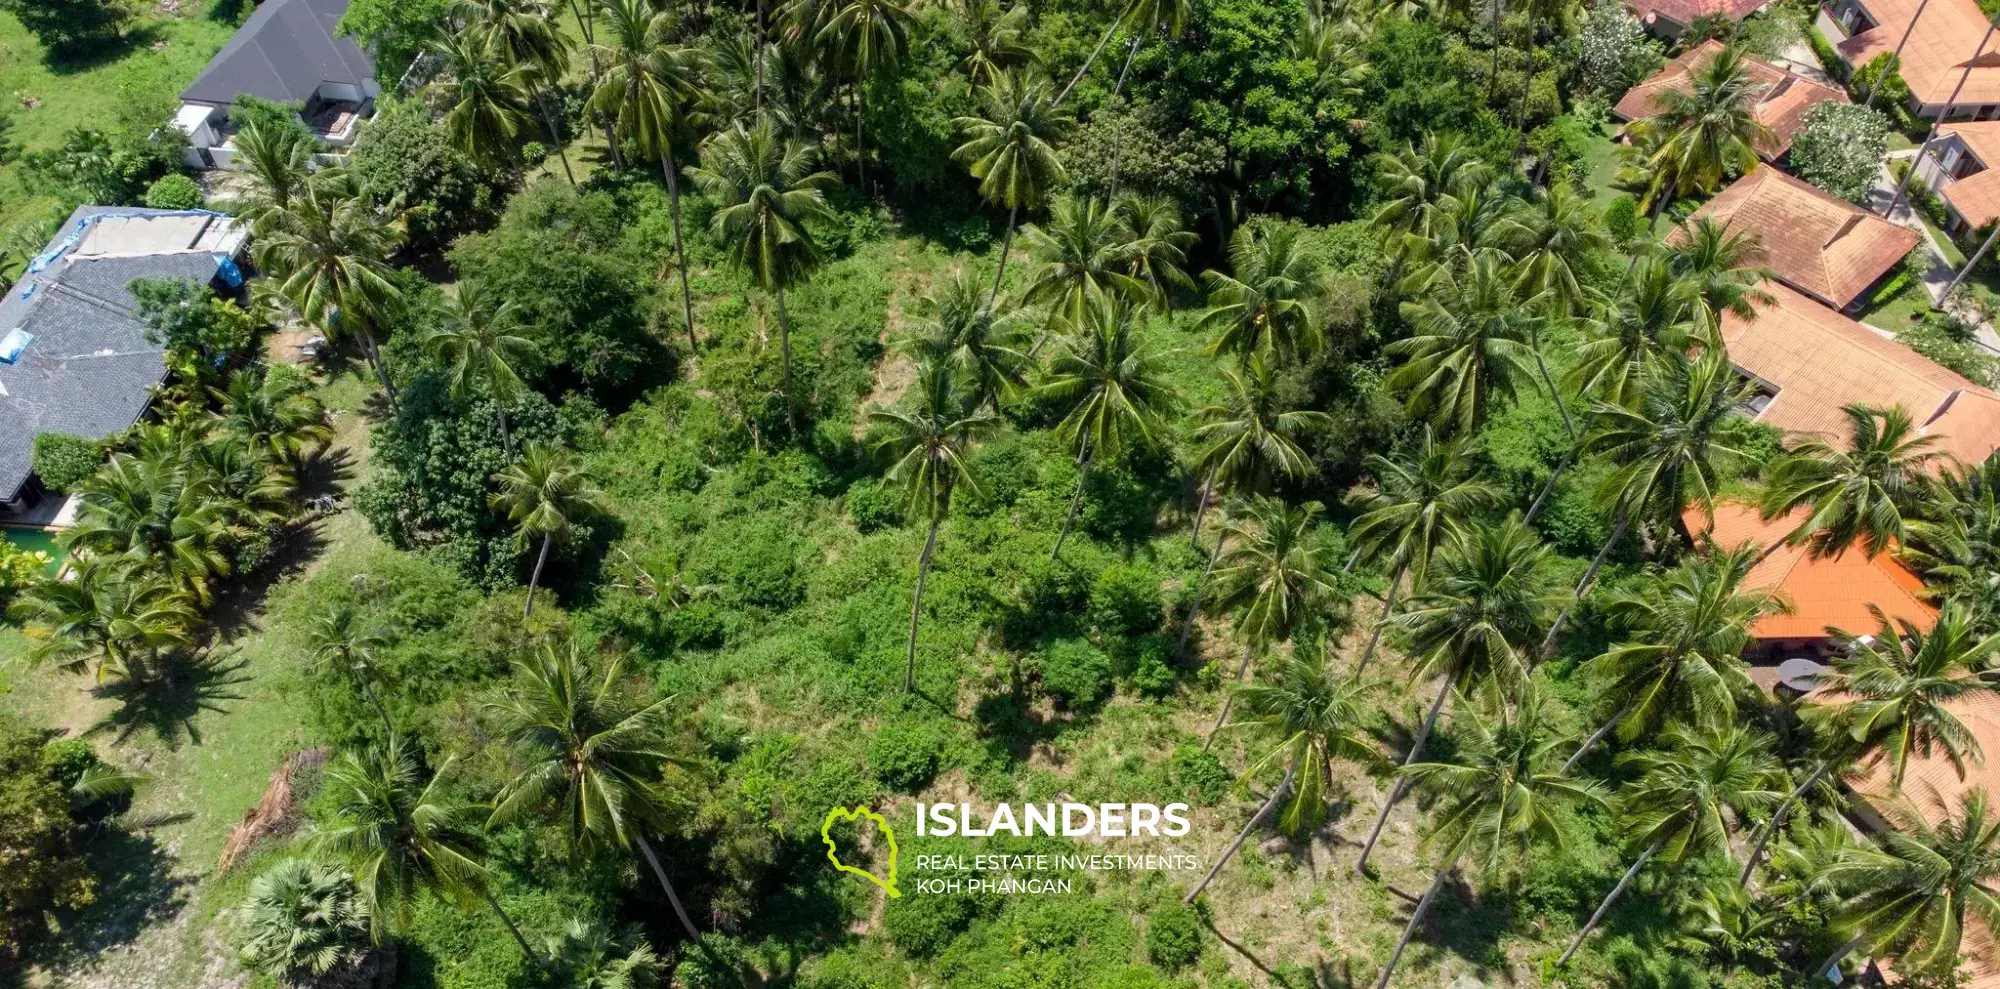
(143, 75)
(1896, 313)
(1603, 158)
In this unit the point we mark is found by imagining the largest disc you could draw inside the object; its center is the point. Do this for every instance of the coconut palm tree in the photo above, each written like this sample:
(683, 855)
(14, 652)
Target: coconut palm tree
(1721, 266)
(1657, 313)
(1303, 717)
(1934, 873)
(1009, 148)
(1675, 810)
(1416, 179)
(987, 349)
(1683, 658)
(1272, 577)
(587, 756)
(279, 422)
(328, 252)
(1251, 438)
(399, 834)
(1667, 450)
(992, 39)
(1497, 798)
(108, 616)
(1468, 346)
(1156, 245)
(476, 344)
(302, 921)
(1554, 236)
(648, 81)
(339, 641)
(276, 163)
(157, 514)
(930, 443)
(1472, 623)
(1080, 253)
(484, 97)
(545, 494)
(1112, 389)
(1858, 495)
(1956, 545)
(1704, 133)
(522, 34)
(765, 191)
(1422, 499)
(866, 37)
(1270, 299)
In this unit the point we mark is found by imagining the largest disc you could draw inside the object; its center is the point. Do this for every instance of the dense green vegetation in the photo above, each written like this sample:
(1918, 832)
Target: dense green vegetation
(1286, 408)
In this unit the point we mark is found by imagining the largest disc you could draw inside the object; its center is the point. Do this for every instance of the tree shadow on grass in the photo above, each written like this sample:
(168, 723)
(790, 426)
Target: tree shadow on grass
(167, 707)
(111, 50)
(1464, 924)
(136, 888)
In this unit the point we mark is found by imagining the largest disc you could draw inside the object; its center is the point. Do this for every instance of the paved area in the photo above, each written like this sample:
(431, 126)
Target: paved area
(1941, 272)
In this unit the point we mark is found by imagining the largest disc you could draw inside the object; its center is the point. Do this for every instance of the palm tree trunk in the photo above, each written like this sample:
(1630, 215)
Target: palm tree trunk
(917, 602)
(506, 440)
(535, 578)
(785, 348)
(1396, 791)
(526, 949)
(1895, 58)
(1194, 608)
(374, 358)
(646, 849)
(860, 147)
(588, 23)
(1083, 460)
(555, 136)
(757, 91)
(1410, 931)
(1569, 429)
(1244, 835)
(1229, 698)
(1201, 507)
(680, 246)
(375, 698)
(1561, 465)
(1099, 50)
(1778, 821)
(1388, 608)
(1583, 586)
(1118, 139)
(1598, 736)
(1616, 891)
(1006, 244)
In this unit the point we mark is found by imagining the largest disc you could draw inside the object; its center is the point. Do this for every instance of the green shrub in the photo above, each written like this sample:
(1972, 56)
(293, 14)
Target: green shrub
(63, 461)
(1173, 936)
(905, 755)
(924, 925)
(1125, 600)
(874, 505)
(1145, 662)
(1075, 672)
(174, 191)
(1622, 218)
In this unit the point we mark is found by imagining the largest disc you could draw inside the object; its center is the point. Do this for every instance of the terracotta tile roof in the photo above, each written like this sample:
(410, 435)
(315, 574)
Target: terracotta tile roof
(1945, 38)
(1976, 197)
(1819, 244)
(1782, 107)
(1823, 593)
(1684, 12)
(1820, 360)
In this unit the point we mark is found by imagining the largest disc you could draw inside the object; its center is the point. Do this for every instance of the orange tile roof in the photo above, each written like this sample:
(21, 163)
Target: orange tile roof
(1820, 360)
(1684, 12)
(1976, 197)
(1944, 40)
(1782, 107)
(1817, 243)
(1825, 593)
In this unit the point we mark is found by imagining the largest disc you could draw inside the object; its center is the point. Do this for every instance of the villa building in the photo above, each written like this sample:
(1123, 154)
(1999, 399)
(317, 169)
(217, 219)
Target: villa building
(287, 52)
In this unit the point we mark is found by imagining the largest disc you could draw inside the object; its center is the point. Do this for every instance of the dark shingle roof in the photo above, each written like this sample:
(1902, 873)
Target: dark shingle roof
(283, 53)
(90, 370)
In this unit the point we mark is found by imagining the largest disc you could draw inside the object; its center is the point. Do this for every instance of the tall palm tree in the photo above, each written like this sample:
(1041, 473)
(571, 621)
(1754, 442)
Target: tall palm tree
(1009, 148)
(985, 348)
(866, 37)
(484, 97)
(1473, 623)
(328, 251)
(522, 34)
(1112, 388)
(1934, 873)
(545, 494)
(1497, 798)
(279, 422)
(1656, 314)
(930, 443)
(277, 164)
(1675, 810)
(1858, 495)
(1723, 267)
(1422, 499)
(399, 833)
(1468, 346)
(1667, 450)
(1683, 659)
(1551, 241)
(341, 641)
(1155, 245)
(765, 190)
(107, 615)
(1272, 577)
(648, 81)
(1079, 251)
(1956, 545)
(1703, 133)
(1303, 717)
(1270, 299)
(587, 757)
(992, 38)
(1416, 179)
(1250, 439)
(476, 344)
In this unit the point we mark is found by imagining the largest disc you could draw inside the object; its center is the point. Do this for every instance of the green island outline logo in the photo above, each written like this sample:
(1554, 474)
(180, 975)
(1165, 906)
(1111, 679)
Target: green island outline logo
(832, 854)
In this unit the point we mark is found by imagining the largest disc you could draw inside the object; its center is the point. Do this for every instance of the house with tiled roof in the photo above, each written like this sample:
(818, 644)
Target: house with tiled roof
(1819, 244)
(1783, 99)
(1809, 361)
(1961, 170)
(1669, 18)
(1940, 45)
(291, 52)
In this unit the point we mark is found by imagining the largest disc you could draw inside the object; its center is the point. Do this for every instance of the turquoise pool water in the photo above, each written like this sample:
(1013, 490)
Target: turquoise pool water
(36, 539)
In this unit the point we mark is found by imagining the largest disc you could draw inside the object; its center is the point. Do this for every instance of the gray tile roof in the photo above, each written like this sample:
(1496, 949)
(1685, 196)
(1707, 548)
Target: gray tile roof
(283, 53)
(90, 370)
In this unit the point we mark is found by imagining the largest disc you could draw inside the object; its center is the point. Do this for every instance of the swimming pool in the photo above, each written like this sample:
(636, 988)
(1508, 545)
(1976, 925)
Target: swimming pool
(36, 539)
